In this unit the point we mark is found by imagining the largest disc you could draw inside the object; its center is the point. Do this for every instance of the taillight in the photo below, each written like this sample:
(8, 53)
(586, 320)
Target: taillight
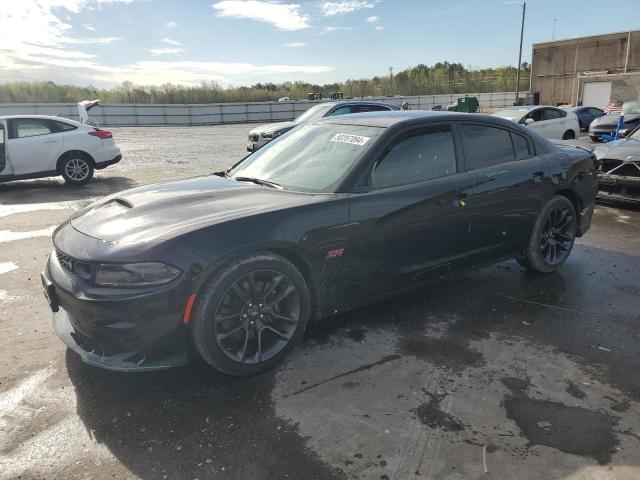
(103, 134)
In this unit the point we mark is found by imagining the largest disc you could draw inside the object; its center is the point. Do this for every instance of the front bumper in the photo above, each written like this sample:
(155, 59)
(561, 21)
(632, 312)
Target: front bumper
(138, 332)
(619, 189)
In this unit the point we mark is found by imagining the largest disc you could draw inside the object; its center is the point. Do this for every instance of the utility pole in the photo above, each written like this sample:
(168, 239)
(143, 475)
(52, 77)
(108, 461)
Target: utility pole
(524, 9)
(390, 80)
(553, 35)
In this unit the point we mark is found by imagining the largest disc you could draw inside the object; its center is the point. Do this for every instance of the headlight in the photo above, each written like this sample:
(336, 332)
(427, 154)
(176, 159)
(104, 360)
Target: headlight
(135, 274)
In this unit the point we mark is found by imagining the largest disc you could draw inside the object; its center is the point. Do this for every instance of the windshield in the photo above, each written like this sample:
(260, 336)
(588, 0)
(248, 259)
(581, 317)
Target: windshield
(511, 113)
(631, 107)
(313, 113)
(635, 135)
(309, 158)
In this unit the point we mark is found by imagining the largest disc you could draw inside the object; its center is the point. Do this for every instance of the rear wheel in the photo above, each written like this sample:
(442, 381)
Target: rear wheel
(569, 135)
(77, 169)
(251, 314)
(552, 237)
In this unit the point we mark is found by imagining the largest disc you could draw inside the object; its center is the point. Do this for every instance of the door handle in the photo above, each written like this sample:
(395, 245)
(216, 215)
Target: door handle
(50, 141)
(538, 177)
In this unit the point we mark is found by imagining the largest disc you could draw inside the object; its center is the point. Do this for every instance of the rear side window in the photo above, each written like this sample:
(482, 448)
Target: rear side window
(486, 146)
(63, 126)
(520, 146)
(415, 157)
(29, 127)
(552, 114)
(369, 108)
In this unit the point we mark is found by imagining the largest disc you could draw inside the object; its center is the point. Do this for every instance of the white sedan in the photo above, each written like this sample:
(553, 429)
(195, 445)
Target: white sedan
(549, 122)
(34, 146)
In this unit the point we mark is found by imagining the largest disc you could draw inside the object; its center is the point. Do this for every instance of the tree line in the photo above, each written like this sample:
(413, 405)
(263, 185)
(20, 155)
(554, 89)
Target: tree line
(441, 78)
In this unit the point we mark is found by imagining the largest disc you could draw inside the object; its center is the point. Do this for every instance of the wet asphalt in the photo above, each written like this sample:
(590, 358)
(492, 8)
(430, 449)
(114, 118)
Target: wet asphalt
(497, 373)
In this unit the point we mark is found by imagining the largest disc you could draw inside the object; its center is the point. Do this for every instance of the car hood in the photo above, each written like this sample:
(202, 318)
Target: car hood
(274, 127)
(168, 209)
(611, 120)
(619, 150)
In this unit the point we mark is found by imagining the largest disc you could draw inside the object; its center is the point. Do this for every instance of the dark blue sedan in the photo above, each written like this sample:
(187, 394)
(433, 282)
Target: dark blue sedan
(585, 115)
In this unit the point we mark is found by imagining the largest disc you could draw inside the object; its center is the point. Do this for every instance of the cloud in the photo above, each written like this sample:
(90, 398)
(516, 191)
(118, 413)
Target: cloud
(295, 44)
(372, 19)
(284, 16)
(171, 24)
(327, 30)
(379, 28)
(90, 28)
(170, 41)
(38, 44)
(165, 51)
(329, 9)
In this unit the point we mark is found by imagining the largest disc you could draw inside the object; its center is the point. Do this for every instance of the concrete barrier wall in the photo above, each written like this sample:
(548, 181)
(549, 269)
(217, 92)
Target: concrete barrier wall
(222, 113)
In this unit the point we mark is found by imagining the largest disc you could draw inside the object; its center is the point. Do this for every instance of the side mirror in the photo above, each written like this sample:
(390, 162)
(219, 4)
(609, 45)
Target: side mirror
(529, 121)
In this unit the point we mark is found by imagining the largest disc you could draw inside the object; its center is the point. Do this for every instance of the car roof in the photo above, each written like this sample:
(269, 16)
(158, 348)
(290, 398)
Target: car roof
(357, 102)
(46, 117)
(396, 117)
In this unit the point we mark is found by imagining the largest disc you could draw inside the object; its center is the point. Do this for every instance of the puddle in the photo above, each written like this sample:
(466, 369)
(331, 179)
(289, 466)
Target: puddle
(6, 267)
(10, 236)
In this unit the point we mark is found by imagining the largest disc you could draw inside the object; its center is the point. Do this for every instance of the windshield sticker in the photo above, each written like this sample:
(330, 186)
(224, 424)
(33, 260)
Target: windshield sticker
(351, 139)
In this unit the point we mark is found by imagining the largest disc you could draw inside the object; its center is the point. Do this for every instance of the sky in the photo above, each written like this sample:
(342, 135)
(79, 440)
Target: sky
(242, 42)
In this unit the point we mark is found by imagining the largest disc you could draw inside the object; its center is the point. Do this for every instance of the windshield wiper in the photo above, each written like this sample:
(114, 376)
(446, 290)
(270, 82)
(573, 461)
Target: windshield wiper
(259, 181)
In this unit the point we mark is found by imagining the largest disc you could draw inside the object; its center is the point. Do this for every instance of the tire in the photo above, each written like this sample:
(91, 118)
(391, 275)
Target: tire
(77, 169)
(552, 236)
(569, 135)
(238, 326)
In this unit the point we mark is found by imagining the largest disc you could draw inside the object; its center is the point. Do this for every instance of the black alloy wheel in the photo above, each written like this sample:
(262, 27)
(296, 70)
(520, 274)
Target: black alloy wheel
(257, 316)
(250, 314)
(558, 235)
(552, 236)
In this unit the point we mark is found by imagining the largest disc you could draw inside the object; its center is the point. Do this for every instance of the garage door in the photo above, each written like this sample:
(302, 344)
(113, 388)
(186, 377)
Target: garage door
(596, 94)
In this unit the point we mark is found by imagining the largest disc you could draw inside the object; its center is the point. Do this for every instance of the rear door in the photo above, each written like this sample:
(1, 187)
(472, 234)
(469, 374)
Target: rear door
(510, 184)
(33, 145)
(413, 222)
(3, 156)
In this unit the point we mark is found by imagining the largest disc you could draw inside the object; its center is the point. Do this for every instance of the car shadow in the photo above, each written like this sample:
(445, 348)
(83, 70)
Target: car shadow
(55, 190)
(192, 422)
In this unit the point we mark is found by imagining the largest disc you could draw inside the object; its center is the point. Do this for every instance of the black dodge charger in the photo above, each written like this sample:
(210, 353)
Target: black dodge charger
(330, 216)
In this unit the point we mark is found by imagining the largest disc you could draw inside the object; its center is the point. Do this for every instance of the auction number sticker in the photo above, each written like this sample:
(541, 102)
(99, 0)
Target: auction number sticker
(351, 139)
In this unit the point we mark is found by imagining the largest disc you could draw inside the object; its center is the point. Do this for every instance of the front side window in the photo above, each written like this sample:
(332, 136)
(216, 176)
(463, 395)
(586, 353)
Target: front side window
(311, 157)
(416, 157)
(486, 146)
(30, 127)
(536, 115)
(369, 108)
(341, 111)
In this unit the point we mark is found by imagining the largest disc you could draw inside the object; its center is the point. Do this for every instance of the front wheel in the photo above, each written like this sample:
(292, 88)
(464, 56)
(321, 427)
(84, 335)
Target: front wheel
(250, 314)
(552, 237)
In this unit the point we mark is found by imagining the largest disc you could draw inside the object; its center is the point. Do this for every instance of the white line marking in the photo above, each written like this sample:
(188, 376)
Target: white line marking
(7, 267)
(10, 236)
(6, 210)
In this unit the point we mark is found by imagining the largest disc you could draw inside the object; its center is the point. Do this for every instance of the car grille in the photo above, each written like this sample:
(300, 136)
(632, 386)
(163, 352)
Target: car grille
(254, 137)
(65, 261)
(610, 166)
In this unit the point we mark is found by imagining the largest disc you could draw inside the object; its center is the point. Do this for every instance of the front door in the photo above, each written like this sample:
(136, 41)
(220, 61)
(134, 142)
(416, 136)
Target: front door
(510, 185)
(413, 222)
(33, 145)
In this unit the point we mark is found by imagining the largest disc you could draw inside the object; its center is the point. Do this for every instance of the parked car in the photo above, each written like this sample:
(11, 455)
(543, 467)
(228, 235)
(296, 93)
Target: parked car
(332, 215)
(263, 134)
(607, 124)
(550, 122)
(42, 146)
(585, 115)
(619, 171)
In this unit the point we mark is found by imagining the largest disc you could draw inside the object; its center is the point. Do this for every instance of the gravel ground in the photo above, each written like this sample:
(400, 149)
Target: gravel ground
(494, 374)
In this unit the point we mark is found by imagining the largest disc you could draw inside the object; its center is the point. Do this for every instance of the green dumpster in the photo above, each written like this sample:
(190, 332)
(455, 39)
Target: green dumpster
(467, 105)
